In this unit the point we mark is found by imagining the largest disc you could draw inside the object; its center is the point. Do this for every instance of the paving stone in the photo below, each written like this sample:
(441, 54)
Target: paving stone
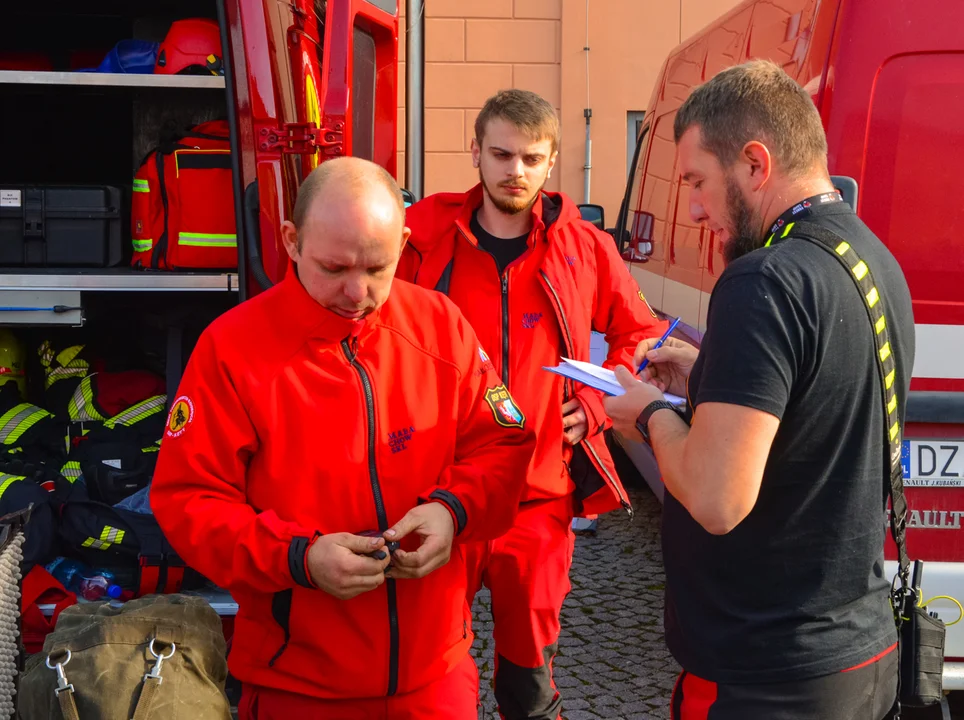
(612, 663)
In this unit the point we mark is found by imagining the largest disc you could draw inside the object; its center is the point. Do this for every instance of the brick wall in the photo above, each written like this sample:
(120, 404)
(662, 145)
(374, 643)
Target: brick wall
(473, 48)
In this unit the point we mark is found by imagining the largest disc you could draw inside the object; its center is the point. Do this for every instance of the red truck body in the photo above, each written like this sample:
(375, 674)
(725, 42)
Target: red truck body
(888, 80)
(301, 66)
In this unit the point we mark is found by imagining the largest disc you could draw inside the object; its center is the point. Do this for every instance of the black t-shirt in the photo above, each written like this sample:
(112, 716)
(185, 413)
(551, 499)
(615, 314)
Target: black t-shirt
(504, 250)
(798, 588)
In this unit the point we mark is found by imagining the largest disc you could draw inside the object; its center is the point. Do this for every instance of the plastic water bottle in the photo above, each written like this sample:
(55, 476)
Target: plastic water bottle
(84, 581)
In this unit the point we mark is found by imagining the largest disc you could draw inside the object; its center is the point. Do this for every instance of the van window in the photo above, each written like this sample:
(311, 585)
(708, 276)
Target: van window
(363, 95)
(634, 127)
(632, 200)
(661, 176)
(911, 194)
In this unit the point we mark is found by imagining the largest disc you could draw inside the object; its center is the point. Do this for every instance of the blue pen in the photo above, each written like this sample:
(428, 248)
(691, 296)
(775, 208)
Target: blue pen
(658, 345)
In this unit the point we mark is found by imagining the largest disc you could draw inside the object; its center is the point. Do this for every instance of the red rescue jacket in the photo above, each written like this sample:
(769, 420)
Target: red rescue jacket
(574, 272)
(292, 421)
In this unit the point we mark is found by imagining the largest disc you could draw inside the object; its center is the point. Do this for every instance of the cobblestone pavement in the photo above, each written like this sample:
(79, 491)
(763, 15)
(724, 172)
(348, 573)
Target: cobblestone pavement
(612, 662)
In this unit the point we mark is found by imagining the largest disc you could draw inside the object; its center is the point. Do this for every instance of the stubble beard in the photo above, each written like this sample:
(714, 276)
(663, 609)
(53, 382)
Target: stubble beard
(511, 206)
(744, 235)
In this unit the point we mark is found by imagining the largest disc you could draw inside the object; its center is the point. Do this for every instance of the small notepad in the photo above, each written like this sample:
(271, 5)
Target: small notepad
(599, 378)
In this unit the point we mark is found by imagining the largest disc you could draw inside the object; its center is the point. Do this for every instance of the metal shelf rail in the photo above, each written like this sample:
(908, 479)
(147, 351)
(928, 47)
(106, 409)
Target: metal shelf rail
(118, 80)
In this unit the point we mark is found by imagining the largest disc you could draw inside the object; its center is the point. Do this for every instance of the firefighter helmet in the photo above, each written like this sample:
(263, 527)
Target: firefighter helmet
(12, 361)
(191, 47)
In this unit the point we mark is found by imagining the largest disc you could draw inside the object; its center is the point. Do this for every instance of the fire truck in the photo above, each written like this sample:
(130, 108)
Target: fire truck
(888, 80)
(295, 82)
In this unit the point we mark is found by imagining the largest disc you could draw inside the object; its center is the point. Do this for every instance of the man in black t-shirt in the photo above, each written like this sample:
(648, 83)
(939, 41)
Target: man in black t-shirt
(777, 606)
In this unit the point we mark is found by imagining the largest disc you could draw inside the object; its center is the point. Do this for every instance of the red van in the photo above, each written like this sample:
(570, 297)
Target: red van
(888, 80)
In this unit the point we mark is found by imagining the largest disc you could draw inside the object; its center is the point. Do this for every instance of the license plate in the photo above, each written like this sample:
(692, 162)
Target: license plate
(933, 463)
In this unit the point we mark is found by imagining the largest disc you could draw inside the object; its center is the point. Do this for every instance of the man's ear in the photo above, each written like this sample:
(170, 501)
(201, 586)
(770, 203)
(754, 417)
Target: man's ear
(757, 164)
(289, 236)
(476, 154)
(552, 162)
(406, 234)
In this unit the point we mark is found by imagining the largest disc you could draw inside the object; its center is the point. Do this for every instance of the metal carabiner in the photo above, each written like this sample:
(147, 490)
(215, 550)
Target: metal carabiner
(155, 673)
(62, 683)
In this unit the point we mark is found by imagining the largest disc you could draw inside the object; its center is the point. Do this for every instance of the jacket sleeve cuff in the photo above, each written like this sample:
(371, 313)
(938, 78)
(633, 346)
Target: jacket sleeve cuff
(298, 560)
(596, 415)
(450, 503)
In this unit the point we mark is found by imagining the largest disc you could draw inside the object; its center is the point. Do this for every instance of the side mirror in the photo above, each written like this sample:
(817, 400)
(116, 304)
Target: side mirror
(409, 197)
(640, 237)
(594, 214)
(847, 187)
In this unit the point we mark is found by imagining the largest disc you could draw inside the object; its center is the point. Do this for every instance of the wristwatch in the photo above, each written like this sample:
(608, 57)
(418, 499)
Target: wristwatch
(642, 422)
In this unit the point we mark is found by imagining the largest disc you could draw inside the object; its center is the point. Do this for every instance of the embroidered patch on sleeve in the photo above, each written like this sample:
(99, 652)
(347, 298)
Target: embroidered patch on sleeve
(182, 413)
(506, 412)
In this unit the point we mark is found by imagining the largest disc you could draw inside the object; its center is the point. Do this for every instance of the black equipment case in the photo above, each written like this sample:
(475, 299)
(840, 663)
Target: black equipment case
(60, 226)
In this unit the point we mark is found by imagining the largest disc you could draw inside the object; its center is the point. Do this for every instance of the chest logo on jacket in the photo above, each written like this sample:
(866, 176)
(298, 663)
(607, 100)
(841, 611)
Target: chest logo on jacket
(530, 320)
(398, 440)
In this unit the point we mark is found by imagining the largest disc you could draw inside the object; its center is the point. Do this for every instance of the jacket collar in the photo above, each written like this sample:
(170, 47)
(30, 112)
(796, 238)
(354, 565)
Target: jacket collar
(315, 321)
(473, 201)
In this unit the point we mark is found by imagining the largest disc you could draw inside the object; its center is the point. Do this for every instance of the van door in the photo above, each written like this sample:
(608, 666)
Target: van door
(314, 79)
(648, 209)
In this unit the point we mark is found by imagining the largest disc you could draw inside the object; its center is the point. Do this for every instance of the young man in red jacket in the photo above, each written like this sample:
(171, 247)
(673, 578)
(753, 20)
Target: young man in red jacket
(534, 280)
(319, 421)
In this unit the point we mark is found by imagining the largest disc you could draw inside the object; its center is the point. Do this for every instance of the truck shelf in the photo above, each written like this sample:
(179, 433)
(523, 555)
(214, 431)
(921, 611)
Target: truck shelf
(121, 281)
(219, 600)
(117, 80)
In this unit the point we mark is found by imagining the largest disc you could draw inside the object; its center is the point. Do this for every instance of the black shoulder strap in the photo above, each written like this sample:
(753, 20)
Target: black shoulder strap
(863, 279)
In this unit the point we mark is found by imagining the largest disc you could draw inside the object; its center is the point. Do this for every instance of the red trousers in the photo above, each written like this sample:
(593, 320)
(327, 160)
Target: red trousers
(454, 697)
(527, 572)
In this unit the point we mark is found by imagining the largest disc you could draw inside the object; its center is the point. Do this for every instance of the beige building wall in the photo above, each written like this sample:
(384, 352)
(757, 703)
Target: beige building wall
(474, 48)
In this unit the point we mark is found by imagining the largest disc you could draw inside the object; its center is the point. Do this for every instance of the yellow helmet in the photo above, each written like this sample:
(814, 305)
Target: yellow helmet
(12, 361)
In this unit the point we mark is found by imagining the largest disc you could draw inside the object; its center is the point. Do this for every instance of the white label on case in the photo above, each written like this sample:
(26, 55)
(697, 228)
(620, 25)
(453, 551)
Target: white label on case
(9, 198)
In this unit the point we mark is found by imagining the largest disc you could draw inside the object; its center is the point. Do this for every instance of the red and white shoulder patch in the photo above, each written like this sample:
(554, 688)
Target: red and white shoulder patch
(180, 417)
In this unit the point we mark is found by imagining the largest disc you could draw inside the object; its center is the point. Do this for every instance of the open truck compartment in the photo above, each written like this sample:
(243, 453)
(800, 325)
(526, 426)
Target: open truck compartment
(91, 346)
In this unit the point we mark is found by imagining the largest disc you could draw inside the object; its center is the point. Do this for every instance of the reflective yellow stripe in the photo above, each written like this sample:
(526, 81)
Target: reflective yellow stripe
(206, 240)
(71, 470)
(770, 240)
(894, 431)
(860, 269)
(881, 324)
(143, 245)
(885, 352)
(108, 536)
(843, 248)
(786, 231)
(70, 354)
(141, 186)
(872, 297)
(141, 411)
(81, 405)
(8, 480)
(17, 420)
(62, 373)
(46, 353)
(889, 380)
(892, 405)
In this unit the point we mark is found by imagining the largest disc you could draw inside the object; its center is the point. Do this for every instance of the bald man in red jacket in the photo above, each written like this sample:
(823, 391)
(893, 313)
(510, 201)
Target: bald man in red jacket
(317, 422)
